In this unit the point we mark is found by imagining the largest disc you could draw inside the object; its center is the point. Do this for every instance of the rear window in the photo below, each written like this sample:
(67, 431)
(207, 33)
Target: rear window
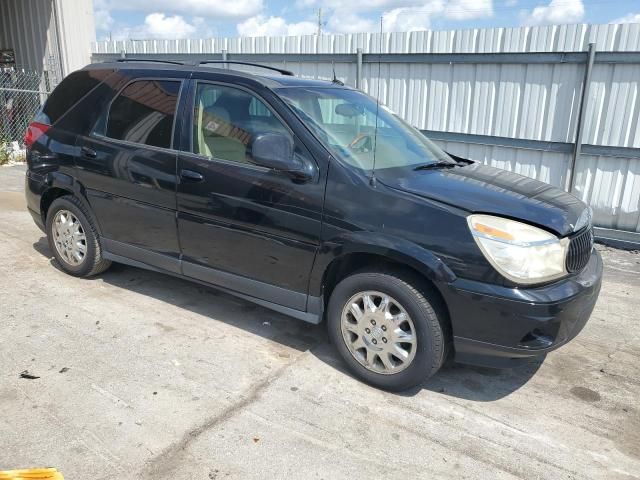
(69, 92)
(144, 112)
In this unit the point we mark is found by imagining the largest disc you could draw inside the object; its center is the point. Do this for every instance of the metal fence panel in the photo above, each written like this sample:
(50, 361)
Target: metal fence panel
(548, 167)
(613, 111)
(611, 185)
(20, 98)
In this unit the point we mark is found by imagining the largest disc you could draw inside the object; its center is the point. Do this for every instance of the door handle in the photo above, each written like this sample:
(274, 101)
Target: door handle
(88, 152)
(191, 176)
(47, 157)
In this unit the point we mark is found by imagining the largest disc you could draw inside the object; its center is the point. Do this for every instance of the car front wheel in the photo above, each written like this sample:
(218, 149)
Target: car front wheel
(388, 328)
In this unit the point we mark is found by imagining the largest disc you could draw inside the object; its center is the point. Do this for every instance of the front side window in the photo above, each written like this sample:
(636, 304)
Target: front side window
(143, 113)
(226, 120)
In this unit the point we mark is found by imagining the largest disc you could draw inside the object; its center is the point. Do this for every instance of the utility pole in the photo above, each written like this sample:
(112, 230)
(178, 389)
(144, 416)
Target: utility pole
(319, 21)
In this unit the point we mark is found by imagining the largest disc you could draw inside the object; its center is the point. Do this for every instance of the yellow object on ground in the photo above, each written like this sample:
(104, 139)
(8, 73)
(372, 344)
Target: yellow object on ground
(31, 473)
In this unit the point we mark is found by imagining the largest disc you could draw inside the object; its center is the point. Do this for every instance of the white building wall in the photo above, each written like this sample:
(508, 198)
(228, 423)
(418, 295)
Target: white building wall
(77, 32)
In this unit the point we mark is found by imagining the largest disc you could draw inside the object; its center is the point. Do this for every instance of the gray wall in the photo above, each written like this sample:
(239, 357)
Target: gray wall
(48, 35)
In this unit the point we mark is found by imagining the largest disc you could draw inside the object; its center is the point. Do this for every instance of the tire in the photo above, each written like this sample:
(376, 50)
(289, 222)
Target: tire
(61, 212)
(427, 319)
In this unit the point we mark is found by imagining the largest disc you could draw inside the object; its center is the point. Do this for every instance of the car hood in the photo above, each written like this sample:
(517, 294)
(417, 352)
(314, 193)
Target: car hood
(478, 188)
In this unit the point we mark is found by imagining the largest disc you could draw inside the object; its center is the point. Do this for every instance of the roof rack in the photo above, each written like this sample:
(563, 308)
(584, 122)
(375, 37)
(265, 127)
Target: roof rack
(152, 60)
(279, 70)
(204, 62)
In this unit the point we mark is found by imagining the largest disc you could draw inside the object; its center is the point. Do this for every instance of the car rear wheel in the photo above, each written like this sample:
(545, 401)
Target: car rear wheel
(388, 328)
(73, 238)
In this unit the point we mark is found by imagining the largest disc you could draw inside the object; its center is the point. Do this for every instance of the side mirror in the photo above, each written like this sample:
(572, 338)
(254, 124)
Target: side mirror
(275, 150)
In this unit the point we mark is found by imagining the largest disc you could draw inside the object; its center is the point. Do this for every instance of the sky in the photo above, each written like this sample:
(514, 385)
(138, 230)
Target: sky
(144, 19)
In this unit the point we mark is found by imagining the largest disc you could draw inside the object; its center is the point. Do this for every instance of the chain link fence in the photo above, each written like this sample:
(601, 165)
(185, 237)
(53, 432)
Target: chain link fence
(22, 92)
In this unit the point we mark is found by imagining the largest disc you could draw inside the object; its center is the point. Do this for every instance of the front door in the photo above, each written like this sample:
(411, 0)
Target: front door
(242, 226)
(129, 170)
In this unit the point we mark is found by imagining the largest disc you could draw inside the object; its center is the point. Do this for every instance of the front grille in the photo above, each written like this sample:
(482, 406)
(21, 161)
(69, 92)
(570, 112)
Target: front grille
(580, 247)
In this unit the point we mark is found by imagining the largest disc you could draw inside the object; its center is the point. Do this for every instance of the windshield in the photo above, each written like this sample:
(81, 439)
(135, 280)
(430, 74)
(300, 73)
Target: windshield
(346, 121)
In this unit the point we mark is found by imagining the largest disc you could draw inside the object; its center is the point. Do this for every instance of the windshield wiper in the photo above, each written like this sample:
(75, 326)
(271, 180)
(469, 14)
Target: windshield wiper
(435, 165)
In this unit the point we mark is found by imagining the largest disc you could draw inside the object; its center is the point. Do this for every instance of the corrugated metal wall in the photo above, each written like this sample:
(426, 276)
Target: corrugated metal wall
(534, 101)
(28, 27)
(48, 35)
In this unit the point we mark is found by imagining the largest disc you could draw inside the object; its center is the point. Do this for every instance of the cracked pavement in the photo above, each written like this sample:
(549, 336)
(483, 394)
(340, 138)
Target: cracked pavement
(169, 379)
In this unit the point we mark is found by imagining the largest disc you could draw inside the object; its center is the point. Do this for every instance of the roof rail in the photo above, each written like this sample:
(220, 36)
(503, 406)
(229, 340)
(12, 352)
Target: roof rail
(152, 60)
(279, 70)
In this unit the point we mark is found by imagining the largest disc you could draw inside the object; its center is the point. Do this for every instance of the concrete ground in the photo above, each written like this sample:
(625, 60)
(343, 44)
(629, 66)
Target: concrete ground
(144, 376)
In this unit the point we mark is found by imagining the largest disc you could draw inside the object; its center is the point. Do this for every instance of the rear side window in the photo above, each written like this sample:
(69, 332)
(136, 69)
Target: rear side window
(144, 112)
(69, 92)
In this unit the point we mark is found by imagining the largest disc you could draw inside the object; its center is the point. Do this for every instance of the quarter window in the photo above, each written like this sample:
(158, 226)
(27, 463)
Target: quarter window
(225, 121)
(143, 113)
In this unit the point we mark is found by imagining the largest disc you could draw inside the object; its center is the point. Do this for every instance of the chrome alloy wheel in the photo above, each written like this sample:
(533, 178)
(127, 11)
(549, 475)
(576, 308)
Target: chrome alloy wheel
(69, 237)
(378, 332)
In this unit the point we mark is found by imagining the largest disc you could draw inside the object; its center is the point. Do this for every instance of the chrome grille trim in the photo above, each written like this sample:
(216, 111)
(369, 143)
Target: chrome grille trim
(580, 247)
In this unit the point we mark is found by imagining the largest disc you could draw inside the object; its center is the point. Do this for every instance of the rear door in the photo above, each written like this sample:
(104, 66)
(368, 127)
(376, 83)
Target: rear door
(243, 226)
(128, 166)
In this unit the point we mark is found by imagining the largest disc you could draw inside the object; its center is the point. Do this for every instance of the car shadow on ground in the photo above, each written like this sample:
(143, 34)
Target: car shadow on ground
(471, 383)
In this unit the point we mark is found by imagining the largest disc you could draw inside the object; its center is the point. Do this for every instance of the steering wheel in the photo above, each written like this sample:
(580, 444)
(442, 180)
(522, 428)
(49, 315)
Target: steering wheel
(363, 142)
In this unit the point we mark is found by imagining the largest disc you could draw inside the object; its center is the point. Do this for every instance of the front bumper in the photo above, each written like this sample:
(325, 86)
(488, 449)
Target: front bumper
(499, 327)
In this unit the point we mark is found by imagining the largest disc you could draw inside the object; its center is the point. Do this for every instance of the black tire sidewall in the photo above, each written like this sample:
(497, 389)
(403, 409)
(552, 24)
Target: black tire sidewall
(87, 265)
(429, 333)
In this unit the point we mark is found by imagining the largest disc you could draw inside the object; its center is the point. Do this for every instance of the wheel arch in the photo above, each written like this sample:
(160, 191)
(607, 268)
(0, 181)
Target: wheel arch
(58, 185)
(48, 197)
(356, 252)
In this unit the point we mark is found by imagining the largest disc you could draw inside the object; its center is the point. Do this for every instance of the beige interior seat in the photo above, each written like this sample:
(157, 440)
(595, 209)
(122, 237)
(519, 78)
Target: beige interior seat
(218, 138)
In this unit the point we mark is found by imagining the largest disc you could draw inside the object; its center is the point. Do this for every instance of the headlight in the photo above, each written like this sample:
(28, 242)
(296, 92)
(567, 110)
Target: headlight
(521, 252)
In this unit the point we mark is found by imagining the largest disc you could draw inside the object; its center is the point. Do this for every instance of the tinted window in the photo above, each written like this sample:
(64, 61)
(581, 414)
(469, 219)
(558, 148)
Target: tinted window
(225, 121)
(143, 113)
(69, 92)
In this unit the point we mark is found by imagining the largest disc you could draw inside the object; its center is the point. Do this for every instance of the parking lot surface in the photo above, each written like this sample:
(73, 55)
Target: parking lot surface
(145, 376)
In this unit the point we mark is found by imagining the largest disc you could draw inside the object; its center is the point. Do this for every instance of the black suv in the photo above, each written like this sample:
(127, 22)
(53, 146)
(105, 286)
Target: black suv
(309, 198)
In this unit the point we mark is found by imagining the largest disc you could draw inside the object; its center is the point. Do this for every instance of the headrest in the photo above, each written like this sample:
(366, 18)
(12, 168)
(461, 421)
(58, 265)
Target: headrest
(215, 120)
(219, 112)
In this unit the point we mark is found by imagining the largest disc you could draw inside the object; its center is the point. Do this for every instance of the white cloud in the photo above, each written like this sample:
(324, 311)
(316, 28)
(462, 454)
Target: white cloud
(304, 3)
(407, 19)
(201, 8)
(189, 18)
(259, 26)
(410, 16)
(102, 16)
(468, 9)
(401, 20)
(630, 18)
(159, 25)
(558, 11)
(342, 21)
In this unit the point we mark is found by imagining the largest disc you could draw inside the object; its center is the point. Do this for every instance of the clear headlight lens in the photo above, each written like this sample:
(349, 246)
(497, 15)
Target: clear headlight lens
(522, 253)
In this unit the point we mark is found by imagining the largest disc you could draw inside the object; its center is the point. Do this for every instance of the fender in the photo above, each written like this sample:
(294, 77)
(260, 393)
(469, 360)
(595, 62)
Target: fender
(394, 248)
(58, 179)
